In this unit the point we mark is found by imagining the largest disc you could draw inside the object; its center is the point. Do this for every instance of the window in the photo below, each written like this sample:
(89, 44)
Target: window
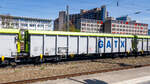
(88, 25)
(113, 25)
(113, 29)
(40, 25)
(117, 25)
(83, 24)
(24, 25)
(32, 25)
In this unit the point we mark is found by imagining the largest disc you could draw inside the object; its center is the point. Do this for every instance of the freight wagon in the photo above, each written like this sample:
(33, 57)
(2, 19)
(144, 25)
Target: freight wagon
(58, 45)
(9, 44)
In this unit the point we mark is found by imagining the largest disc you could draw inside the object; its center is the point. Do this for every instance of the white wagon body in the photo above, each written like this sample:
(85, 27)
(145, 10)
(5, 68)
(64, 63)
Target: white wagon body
(8, 43)
(67, 43)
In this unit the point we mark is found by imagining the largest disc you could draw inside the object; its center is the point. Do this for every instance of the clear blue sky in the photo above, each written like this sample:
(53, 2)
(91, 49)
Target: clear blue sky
(50, 8)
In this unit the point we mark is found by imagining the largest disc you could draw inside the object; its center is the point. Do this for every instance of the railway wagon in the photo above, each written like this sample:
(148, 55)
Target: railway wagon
(9, 44)
(61, 45)
(142, 44)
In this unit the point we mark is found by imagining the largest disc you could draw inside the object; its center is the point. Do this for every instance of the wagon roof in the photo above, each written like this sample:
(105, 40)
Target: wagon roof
(77, 33)
(9, 31)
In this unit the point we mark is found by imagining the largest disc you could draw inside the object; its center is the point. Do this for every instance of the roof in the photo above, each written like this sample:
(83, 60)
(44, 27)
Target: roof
(77, 33)
(129, 22)
(22, 17)
(10, 31)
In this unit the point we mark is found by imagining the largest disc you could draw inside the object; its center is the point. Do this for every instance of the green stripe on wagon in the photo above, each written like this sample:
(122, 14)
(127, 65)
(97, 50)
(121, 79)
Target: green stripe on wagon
(77, 33)
(143, 36)
(10, 31)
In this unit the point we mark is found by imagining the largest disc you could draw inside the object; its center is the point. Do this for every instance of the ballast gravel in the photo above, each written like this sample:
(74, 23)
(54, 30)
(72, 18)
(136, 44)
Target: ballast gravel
(48, 69)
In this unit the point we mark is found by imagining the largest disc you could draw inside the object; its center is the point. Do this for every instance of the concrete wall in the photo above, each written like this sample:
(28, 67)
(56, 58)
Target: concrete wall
(107, 27)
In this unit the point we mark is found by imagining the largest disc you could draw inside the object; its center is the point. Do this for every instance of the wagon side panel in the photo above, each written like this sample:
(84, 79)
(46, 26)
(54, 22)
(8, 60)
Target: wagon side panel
(73, 44)
(115, 45)
(122, 44)
(129, 45)
(145, 45)
(50, 45)
(101, 45)
(139, 45)
(83, 45)
(36, 45)
(108, 45)
(148, 44)
(91, 45)
(62, 45)
(8, 45)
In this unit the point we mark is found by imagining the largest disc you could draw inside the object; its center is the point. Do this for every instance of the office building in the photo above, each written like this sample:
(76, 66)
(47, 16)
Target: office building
(124, 27)
(124, 18)
(94, 15)
(90, 25)
(24, 23)
(148, 31)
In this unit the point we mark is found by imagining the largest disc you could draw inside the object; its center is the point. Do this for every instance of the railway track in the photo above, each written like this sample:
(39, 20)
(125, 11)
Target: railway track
(106, 65)
(73, 75)
(82, 60)
(45, 63)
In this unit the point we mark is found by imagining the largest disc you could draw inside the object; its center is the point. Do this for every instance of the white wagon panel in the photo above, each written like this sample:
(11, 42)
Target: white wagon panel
(62, 45)
(148, 44)
(144, 44)
(50, 45)
(92, 45)
(83, 45)
(101, 45)
(122, 44)
(108, 45)
(129, 45)
(73, 44)
(36, 45)
(139, 45)
(7, 45)
(115, 45)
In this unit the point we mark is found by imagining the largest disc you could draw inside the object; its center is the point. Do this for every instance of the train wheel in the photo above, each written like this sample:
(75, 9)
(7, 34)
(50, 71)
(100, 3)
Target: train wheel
(6, 62)
(58, 59)
(13, 64)
(38, 60)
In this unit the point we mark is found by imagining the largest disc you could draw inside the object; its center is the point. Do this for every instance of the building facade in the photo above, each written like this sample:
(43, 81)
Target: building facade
(24, 23)
(94, 15)
(148, 31)
(124, 18)
(90, 25)
(124, 27)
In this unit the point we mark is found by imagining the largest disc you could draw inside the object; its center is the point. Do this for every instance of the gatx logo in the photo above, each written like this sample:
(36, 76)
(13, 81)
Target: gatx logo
(109, 44)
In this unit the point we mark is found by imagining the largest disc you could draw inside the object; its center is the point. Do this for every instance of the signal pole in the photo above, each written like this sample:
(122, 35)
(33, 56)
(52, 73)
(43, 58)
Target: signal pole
(67, 18)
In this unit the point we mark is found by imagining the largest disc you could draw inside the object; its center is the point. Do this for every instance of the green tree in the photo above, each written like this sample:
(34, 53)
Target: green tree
(72, 28)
